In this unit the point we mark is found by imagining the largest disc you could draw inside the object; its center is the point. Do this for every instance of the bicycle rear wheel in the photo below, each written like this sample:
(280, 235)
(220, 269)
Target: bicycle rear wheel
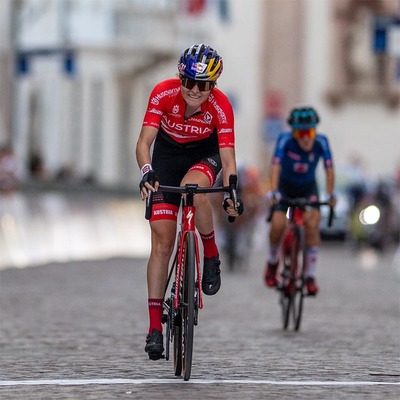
(297, 274)
(188, 310)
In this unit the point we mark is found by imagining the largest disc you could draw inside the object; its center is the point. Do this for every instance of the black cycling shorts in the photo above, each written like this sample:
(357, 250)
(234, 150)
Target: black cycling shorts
(172, 161)
(288, 190)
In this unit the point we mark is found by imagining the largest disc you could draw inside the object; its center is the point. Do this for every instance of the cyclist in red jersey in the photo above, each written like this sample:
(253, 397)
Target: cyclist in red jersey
(190, 122)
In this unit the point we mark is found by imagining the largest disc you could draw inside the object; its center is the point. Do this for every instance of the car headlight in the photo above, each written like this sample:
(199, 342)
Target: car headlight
(370, 215)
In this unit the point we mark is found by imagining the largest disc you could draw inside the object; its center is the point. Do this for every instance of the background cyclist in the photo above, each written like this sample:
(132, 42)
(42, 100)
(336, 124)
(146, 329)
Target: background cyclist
(191, 123)
(292, 175)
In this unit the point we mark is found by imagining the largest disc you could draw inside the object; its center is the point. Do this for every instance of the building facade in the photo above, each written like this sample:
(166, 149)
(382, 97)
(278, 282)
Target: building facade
(76, 75)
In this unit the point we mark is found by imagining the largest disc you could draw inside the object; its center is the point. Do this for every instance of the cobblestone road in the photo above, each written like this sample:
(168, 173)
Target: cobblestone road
(76, 331)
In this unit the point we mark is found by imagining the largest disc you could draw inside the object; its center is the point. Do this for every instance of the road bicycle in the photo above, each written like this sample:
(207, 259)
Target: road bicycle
(291, 284)
(183, 295)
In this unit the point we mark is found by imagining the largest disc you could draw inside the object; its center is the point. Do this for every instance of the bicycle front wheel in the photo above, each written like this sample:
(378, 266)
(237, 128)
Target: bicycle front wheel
(285, 293)
(298, 278)
(188, 306)
(178, 345)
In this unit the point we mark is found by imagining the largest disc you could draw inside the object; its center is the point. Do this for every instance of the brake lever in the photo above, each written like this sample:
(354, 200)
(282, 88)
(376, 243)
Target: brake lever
(233, 193)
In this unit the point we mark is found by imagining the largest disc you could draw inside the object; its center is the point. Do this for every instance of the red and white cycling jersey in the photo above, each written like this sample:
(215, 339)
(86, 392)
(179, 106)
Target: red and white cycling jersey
(166, 111)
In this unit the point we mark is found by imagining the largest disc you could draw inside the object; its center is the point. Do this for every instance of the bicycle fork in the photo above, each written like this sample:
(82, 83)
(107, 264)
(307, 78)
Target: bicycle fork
(188, 225)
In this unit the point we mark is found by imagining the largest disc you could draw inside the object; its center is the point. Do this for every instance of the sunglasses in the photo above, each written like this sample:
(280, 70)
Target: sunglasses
(203, 86)
(305, 133)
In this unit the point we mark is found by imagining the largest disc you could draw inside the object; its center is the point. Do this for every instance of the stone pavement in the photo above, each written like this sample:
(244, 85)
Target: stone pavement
(75, 329)
(71, 323)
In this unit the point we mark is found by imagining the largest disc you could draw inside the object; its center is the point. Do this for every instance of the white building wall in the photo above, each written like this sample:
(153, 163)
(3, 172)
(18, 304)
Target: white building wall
(368, 129)
(21, 117)
(109, 172)
(239, 41)
(69, 130)
(5, 70)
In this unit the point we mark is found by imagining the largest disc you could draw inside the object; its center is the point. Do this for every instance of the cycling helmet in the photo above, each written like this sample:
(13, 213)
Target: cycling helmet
(303, 118)
(200, 62)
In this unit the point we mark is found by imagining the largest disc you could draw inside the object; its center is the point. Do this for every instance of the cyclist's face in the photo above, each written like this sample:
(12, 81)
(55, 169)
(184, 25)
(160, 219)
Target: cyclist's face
(305, 138)
(194, 97)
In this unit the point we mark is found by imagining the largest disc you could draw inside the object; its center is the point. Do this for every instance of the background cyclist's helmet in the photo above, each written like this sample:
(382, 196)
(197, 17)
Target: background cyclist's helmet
(303, 118)
(200, 62)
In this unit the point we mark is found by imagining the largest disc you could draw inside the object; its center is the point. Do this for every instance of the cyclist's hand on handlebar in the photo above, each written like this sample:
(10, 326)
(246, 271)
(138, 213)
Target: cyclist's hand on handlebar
(149, 182)
(230, 209)
(273, 197)
(331, 199)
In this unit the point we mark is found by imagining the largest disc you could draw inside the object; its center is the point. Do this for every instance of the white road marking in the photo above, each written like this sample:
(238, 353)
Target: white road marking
(79, 382)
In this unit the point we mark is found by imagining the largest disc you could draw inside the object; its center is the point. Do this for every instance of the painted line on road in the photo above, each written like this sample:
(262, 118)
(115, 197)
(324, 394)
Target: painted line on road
(79, 382)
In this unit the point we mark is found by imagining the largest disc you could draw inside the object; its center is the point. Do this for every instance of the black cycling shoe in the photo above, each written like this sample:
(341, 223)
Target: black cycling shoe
(211, 281)
(154, 345)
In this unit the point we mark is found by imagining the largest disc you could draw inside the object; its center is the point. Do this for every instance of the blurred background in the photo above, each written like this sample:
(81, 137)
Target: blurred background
(75, 76)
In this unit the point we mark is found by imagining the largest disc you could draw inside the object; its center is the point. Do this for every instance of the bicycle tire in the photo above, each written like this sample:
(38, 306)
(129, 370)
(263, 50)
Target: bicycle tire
(176, 329)
(285, 298)
(299, 259)
(188, 311)
(178, 345)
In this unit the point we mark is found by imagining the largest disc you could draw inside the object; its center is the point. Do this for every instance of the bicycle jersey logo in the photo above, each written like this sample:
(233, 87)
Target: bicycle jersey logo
(212, 162)
(294, 156)
(175, 109)
(155, 100)
(172, 127)
(300, 167)
(189, 217)
(207, 117)
(155, 111)
(221, 113)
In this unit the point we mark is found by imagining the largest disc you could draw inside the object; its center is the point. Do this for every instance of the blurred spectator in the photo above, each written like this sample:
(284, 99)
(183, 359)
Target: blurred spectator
(237, 238)
(356, 180)
(65, 174)
(36, 167)
(11, 170)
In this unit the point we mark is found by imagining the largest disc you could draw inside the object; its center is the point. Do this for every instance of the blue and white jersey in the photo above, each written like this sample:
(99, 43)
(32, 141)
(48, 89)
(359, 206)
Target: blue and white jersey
(299, 166)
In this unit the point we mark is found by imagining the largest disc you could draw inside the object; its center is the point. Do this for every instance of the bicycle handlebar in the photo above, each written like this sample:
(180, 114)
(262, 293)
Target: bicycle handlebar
(302, 203)
(193, 189)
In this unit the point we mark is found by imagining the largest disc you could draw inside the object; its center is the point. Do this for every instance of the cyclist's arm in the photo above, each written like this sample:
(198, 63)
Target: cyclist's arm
(228, 160)
(330, 180)
(143, 145)
(143, 158)
(274, 176)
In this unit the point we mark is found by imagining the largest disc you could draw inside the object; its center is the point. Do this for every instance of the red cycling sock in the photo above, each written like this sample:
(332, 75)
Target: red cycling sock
(210, 247)
(155, 314)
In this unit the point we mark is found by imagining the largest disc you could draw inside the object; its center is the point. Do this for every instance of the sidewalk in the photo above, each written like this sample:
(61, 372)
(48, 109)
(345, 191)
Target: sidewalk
(41, 226)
